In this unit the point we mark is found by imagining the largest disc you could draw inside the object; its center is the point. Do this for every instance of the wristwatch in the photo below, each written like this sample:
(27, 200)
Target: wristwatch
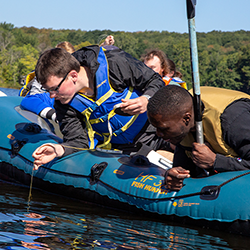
(147, 96)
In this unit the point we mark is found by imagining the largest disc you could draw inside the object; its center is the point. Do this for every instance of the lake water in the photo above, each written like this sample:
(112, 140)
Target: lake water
(53, 222)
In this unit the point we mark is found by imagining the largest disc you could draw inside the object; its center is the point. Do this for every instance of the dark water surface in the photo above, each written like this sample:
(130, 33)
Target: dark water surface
(53, 222)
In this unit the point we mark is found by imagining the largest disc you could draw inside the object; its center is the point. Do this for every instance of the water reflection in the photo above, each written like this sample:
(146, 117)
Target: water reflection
(57, 223)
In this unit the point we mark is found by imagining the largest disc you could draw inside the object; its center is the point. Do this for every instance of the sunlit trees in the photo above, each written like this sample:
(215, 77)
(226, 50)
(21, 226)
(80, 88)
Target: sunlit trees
(224, 57)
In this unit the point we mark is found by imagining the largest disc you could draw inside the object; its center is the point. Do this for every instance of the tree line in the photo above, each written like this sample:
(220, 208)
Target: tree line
(224, 57)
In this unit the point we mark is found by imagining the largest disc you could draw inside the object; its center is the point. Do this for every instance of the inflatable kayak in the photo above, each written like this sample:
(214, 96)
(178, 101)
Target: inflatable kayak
(118, 181)
(2, 93)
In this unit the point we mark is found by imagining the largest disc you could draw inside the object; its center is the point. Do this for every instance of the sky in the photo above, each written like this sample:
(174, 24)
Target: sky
(127, 15)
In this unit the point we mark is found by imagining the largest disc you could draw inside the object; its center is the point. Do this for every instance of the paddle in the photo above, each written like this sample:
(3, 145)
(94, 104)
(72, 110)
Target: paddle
(195, 69)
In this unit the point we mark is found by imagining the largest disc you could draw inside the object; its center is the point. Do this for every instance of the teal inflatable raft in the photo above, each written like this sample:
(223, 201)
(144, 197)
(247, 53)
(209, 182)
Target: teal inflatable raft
(117, 181)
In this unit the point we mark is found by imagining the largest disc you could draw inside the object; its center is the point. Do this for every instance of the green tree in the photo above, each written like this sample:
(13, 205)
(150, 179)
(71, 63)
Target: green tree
(6, 39)
(22, 38)
(15, 63)
(243, 67)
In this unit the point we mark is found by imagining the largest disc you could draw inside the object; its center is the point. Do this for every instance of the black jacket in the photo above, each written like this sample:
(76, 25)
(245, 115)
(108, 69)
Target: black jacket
(124, 71)
(235, 126)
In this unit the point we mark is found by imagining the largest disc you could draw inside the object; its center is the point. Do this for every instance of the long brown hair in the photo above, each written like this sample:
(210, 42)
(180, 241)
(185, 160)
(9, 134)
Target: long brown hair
(167, 65)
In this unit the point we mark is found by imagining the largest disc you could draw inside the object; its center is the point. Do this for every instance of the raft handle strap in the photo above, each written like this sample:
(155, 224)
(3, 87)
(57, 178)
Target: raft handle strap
(32, 128)
(212, 190)
(16, 146)
(96, 171)
(210, 193)
(140, 160)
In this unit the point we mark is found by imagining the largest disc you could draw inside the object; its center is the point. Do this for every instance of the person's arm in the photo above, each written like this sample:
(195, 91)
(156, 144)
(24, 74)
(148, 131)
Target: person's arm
(74, 137)
(126, 71)
(72, 127)
(46, 153)
(236, 132)
(174, 178)
(40, 104)
(181, 164)
(183, 167)
(203, 156)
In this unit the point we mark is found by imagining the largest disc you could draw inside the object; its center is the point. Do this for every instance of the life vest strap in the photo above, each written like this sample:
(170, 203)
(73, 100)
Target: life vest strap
(105, 118)
(104, 97)
(91, 132)
(107, 137)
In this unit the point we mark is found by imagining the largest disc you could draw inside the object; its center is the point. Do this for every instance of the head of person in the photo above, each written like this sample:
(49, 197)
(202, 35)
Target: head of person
(67, 46)
(57, 71)
(158, 61)
(171, 111)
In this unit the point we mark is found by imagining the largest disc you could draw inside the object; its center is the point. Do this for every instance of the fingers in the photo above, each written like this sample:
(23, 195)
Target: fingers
(37, 163)
(179, 173)
(177, 177)
(134, 106)
(35, 166)
(203, 156)
(174, 178)
(175, 186)
(38, 156)
(131, 110)
(39, 151)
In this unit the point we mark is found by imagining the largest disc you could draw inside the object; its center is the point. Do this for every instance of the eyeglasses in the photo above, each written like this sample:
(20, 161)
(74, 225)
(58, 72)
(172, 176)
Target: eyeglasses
(57, 88)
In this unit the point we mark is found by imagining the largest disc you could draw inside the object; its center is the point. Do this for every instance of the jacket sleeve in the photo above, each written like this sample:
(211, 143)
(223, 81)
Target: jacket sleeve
(126, 70)
(36, 103)
(235, 122)
(72, 127)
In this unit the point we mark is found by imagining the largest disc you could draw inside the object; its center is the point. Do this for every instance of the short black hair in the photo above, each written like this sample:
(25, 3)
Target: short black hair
(169, 100)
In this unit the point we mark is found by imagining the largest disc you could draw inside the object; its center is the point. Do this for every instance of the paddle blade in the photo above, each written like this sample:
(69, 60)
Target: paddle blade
(191, 8)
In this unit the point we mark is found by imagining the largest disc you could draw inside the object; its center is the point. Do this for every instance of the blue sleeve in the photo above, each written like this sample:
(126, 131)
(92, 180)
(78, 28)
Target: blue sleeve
(36, 103)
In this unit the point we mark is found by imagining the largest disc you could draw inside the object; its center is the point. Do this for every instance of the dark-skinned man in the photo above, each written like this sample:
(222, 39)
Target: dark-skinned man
(226, 119)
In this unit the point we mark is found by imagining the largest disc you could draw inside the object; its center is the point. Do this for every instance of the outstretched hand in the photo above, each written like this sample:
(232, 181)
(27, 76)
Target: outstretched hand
(134, 106)
(175, 176)
(46, 153)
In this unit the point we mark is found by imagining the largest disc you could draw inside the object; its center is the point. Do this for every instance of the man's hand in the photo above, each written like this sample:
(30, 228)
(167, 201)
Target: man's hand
(134, 106)
(175, 176)
(203, 156)
(46, 153)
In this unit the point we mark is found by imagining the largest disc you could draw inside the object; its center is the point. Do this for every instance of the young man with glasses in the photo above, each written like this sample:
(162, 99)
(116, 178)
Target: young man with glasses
(88, 86)
(35, 99)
